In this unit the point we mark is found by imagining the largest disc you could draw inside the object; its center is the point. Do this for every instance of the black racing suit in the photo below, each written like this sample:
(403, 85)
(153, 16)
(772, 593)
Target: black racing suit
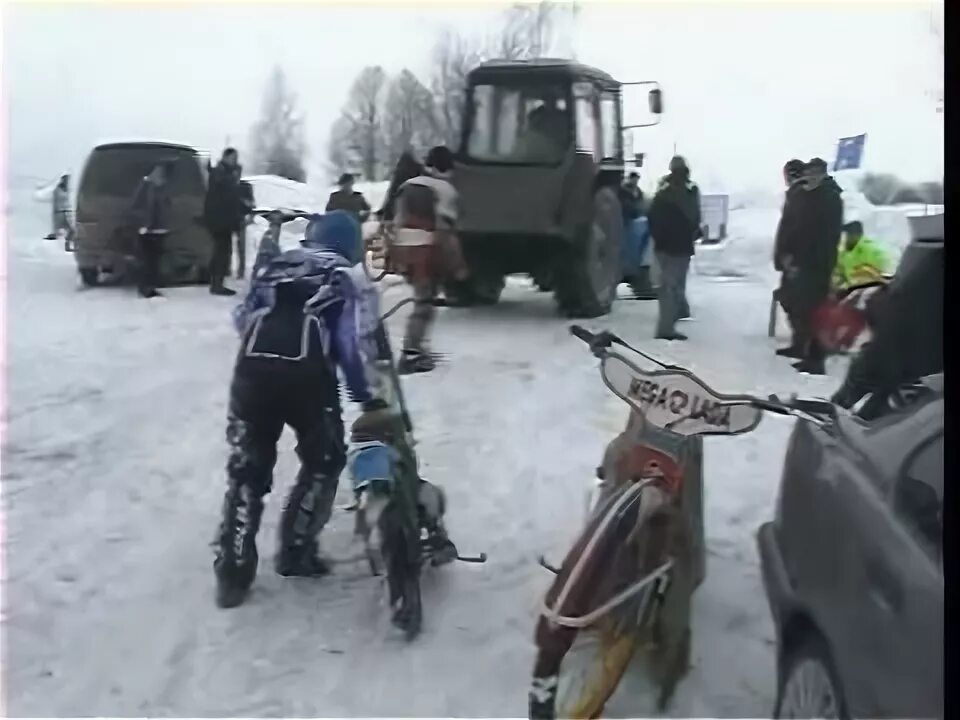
(285, 374)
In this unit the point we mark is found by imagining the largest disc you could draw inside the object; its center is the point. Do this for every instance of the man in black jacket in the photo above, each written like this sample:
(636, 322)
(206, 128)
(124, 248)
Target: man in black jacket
(349, 200)
(150, 216)
(224, 215)
(819, 226)
(675, 226)
(786, 247)
(249, 204)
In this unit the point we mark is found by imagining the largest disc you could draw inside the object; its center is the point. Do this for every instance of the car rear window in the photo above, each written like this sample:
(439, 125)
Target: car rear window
(116, 172)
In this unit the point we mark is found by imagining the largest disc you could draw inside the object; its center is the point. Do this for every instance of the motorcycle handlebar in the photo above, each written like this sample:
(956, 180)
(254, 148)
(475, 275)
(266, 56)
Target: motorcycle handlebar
(581, 333)
(281, 214)
(819, 409)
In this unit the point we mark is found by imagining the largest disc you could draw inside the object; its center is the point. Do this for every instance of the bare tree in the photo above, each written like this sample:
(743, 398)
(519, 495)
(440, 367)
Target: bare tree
(410, 122)
(339, 156)
(360, 128)
(527, 31)
(453, 57)
(532, 30)
(277, 138)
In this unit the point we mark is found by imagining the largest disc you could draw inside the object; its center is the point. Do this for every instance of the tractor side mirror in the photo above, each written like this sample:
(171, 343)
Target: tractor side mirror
(638, 159)
(655, 100)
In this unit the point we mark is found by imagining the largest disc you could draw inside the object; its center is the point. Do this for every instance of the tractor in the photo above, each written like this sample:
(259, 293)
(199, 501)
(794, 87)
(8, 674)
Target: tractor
(538, 173)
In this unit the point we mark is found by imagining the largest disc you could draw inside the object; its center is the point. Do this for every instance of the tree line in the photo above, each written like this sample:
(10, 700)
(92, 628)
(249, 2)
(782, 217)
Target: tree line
(384, 115)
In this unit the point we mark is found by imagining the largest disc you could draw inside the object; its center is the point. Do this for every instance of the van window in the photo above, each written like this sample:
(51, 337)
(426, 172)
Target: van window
(116, 172)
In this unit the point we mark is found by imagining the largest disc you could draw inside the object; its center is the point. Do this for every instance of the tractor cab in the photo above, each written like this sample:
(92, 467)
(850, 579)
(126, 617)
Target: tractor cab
(538, 170)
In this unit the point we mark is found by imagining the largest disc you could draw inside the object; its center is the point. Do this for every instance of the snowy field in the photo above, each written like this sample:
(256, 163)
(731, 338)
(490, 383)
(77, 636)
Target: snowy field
(113, 476)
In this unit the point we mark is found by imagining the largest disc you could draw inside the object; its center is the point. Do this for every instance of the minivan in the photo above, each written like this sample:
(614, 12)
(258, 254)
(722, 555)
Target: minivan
(104, 237)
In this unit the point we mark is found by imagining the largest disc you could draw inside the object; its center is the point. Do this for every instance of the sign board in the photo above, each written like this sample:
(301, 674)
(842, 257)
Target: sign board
(678, 401)
(714, 214)
(850, 153)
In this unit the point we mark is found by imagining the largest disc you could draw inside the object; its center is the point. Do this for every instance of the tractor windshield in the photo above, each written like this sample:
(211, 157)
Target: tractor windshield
(524, 124)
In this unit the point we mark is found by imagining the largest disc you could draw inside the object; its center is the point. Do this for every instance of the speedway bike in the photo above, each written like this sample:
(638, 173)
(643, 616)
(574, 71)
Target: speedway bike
(624, 588)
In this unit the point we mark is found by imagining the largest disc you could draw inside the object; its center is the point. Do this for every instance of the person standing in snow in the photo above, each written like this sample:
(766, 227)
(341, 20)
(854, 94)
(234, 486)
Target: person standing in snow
(861, 260)
(787, 245)
(407, 168)
(819, 227)
(150, 213)
(426, 250)
(247, 200)
(308, 312)
(62, 221)
(675, 227)
(631, 198)
(349, 200)
(224, 215)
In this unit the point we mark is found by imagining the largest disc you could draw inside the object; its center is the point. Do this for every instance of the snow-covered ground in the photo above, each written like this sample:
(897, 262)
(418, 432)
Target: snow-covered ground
(113, 475)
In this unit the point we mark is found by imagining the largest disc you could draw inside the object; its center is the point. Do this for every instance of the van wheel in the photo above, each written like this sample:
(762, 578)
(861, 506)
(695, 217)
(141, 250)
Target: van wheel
(543, 280)
(90, 277)
(586, 282)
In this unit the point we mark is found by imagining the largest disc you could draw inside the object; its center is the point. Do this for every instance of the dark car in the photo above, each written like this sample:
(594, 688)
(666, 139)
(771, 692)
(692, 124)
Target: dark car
(104, 239)
(853, 563)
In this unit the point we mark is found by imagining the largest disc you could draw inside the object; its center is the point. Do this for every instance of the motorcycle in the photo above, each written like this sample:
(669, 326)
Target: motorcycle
(625, 587)
(398, 513)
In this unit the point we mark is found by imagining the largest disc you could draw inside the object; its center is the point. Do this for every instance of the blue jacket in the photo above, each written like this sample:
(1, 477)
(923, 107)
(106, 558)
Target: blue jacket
(340, 309)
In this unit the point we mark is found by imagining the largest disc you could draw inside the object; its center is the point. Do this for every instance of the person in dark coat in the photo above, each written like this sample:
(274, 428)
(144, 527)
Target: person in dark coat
(150, 216)
(907, 341)
(632, 201)
(349, 200)
(675, 226)
(407, 168)
(246, 198)
(819, 227)
(786, 247)
(224, 215)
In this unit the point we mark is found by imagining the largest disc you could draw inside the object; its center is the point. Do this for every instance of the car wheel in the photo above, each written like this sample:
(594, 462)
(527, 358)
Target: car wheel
(808, 684)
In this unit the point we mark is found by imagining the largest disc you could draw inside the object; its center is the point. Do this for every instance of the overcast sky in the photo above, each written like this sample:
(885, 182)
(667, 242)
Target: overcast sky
(746, 85)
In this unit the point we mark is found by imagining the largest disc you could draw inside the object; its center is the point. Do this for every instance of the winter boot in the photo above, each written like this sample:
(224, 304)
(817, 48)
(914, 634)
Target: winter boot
(791, 351)
(431, 505)
(307, 511)
(218, 288)
(302, 561)
(811, 366)
(415, 361)
(236, 559)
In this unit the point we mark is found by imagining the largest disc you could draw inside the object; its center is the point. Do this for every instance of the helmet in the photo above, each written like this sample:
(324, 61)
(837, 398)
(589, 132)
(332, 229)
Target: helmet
(337, 232)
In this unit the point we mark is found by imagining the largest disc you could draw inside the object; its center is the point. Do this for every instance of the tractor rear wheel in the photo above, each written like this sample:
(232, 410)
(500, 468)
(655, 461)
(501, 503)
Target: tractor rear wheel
(587, 280)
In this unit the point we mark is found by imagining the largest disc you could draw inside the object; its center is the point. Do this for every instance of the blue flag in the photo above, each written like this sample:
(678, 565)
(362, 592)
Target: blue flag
(850, 152)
